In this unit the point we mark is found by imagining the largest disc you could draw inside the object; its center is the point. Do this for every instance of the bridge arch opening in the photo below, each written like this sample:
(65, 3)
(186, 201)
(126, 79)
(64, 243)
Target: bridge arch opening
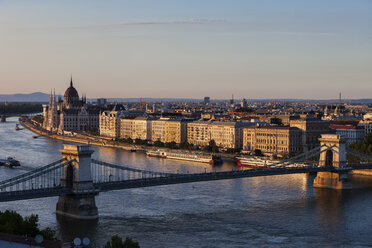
(69, 176)
(329, 158)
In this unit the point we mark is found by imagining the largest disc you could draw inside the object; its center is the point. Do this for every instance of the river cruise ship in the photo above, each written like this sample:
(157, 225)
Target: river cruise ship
(188, 156)
(255, 161)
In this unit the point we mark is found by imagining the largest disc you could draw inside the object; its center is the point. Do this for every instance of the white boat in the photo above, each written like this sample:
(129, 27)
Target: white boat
(188, 156)
(157, 153)
(265, 162)
(255, 161)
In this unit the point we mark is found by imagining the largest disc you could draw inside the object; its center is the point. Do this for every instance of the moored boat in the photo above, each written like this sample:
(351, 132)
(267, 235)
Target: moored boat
(10, 162)
(266, 162)
(255, 161)
(188, 156)
(17, 128)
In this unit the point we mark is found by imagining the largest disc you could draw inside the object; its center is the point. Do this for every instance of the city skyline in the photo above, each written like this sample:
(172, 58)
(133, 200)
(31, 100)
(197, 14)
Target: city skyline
(188, 49)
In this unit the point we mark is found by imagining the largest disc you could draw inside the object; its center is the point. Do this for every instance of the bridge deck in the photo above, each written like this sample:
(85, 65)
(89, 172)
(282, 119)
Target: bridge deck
(171, 179)
(202, 177)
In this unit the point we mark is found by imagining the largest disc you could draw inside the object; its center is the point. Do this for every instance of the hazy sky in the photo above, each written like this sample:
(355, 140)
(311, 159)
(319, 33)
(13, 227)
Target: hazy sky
(188, 48)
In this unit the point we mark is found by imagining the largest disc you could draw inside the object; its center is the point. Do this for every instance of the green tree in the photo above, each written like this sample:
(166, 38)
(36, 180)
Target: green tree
(13, 223)
(212, 147)
(158, 143)
(20, 108)
(140, 142)
(172, 145)
(363, 147)
(117, 242)
(185, 145)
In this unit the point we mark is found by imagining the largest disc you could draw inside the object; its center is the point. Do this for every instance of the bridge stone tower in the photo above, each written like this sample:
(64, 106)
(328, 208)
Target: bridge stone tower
(333, 154)
(77, 175)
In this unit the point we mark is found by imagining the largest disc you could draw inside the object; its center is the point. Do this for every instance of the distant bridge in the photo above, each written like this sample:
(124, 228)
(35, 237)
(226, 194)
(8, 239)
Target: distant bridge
(77, 179)
(4, 116)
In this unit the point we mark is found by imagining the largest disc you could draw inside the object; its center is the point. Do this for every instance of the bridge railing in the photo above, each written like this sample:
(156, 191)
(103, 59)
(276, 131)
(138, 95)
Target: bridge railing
(46, 177)
(107, 172)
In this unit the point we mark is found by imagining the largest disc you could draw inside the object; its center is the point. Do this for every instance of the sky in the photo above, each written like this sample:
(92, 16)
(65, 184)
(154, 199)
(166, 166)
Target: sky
(188, 48)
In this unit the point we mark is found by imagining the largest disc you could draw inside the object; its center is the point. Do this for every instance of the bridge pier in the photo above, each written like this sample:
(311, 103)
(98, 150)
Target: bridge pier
(333, 154)
(80, 204)
(332, 180)
(3, 118)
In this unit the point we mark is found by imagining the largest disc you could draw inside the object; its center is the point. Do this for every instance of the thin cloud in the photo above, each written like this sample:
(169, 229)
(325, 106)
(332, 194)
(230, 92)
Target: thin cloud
(149, 23)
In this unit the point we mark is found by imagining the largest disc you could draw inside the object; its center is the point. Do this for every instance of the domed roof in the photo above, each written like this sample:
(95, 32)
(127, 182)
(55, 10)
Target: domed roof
(71, 93)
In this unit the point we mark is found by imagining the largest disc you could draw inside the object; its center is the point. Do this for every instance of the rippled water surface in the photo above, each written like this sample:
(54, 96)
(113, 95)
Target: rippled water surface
(276, 211)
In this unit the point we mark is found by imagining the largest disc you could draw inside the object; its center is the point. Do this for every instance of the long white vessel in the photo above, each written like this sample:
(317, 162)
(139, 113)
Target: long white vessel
(188, 156)
(265, 162)
(255, 161)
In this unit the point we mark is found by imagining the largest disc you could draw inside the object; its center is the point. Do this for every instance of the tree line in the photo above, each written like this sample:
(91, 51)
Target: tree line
(20, 108)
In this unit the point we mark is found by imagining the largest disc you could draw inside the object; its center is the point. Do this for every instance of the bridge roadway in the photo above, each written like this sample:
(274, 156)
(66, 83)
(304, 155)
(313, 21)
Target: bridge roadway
(169, 180)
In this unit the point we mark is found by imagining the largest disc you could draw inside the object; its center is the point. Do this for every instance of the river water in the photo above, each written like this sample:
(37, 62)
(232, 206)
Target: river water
(275, 211)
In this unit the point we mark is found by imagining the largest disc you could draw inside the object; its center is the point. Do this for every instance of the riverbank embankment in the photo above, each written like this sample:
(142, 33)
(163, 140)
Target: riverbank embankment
(100, 141)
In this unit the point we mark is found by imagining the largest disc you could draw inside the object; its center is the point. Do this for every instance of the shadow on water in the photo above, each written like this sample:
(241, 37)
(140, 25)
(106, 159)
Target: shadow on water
(333, 205)
(70, 228)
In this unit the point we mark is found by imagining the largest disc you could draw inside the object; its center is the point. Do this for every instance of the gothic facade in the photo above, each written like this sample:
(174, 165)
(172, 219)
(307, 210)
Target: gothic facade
(70, 113)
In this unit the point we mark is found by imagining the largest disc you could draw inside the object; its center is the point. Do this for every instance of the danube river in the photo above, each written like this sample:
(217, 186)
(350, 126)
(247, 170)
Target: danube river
(279, 211)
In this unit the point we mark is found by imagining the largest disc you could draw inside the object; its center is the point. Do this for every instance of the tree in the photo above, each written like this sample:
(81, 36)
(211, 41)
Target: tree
(13, 223)
(138, 141)
(212, 147)
(158, 143)
(172, 145)
(117, 242)
(185, 145)
(258, 152)
(363, 147)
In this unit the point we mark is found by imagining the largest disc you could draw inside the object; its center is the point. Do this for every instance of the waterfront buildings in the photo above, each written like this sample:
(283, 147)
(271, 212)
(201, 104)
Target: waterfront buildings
(198, 133)
(176, 131)
(135, 127)
(109, 121)
(272, 139)
(311, 130)
(158, 129)
(70, 114)
(225, 134)
(367, 125)
(350, 131)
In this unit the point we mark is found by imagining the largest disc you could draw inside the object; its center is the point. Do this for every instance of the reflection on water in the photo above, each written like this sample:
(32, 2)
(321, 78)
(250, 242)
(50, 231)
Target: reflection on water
(328, 206)
(272, 211)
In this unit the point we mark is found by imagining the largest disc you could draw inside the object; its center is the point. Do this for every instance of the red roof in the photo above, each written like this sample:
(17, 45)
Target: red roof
(335, 126)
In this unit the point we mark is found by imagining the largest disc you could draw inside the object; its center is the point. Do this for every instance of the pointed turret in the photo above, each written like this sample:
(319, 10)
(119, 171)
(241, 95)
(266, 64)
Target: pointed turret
(71, 82)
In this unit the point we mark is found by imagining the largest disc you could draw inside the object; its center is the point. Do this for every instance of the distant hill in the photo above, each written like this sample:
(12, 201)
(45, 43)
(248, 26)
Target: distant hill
(32, 97)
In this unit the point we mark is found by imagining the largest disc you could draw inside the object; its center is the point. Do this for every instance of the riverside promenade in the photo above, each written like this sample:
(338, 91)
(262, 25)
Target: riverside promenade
(98, 140)
(79, 138)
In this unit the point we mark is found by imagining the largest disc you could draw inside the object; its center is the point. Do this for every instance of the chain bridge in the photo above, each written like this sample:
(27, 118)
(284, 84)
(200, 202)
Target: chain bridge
(77, 178)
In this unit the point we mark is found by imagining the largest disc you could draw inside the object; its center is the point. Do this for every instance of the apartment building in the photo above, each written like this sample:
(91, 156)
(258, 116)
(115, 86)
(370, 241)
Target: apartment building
(176, 131)
(272, 139)
(109, 122)
(199, 133)
(225, 134)
(311, 130)
(158, 128)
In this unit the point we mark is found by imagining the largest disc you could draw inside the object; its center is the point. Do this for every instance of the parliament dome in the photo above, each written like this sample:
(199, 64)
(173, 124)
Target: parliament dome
(71, 94)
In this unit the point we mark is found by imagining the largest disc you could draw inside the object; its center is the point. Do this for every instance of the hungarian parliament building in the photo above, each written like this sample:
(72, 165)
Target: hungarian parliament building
(70, 113)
